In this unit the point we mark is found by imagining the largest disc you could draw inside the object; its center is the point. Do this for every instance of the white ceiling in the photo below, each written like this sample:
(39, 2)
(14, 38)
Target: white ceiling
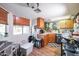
(48, 10)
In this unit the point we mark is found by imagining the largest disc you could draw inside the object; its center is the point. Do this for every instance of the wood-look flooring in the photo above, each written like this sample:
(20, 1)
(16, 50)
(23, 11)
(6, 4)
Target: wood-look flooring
(46, 51)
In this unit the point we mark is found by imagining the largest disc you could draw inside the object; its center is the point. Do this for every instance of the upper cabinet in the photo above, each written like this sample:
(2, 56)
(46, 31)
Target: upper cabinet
(3, 16)
(66, 24)
(40, 22)
(21, 21)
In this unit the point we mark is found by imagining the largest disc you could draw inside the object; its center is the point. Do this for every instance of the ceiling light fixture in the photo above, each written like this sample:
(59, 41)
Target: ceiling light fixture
(37, 10)
(34, 6)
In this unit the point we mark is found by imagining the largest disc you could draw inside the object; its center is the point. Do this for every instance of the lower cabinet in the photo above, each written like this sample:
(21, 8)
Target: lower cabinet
(45, 40)
(23, 52)
(14, 50)
(2, 53)
(49, 38)
(10, 50)
(6, 51)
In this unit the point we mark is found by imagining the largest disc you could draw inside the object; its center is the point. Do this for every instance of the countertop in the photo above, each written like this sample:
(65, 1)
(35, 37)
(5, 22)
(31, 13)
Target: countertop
(76, 37)
(48, 33)
(27, 45)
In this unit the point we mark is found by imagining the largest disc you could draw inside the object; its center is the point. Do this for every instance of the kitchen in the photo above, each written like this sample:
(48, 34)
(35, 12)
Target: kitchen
(42, 24)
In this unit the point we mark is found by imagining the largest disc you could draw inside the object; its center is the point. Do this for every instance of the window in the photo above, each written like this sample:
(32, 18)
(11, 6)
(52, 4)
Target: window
(26, 30)
(20, 30)
(2, 29)
(17, 30)
(51, 26)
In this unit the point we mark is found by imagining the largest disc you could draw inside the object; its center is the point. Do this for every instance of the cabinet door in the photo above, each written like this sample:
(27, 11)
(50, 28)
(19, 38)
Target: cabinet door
(40, 22)
(45, 39)
(51, 38)
(8, 51)
(69, 23)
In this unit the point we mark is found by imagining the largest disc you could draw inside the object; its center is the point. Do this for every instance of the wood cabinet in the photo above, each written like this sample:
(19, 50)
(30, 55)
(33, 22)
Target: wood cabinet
(40, 22)
(3, 16)
(48, 38)
(51, 37)
(21, 21)
(69, 24)
(66, 24)
(45, 40)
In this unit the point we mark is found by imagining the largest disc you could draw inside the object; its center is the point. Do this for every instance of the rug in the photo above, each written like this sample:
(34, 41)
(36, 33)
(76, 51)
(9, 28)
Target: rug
(54, 45)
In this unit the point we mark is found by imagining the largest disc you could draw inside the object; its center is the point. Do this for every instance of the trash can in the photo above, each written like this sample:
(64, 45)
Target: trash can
(37, 43)
(26, 49)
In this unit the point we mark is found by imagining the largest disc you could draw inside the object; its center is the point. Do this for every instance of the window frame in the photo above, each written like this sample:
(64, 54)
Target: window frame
(5, 29)
(22, 29)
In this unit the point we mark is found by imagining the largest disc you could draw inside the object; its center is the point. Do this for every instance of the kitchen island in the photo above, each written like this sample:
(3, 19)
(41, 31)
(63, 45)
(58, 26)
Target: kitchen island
(48, 37)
